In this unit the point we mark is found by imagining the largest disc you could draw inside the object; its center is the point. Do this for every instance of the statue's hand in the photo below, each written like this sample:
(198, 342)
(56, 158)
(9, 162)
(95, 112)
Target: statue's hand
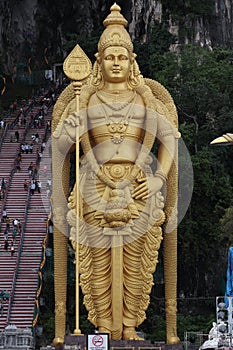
(122, 184)
(71, 124)
(148, 187)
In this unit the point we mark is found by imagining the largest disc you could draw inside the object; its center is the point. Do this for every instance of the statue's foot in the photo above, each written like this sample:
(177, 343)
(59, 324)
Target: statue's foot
(58, 341)
(104, 330)
(173, 340)
(129, 333)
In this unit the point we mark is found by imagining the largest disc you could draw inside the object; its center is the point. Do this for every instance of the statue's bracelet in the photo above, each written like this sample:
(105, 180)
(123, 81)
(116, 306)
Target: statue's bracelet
(134, 173)
(160, 174)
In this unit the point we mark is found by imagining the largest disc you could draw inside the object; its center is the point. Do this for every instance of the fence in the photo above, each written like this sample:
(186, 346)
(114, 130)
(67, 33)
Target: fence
(193, 340)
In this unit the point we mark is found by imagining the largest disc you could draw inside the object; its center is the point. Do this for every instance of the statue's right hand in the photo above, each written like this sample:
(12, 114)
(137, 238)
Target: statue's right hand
(71, 124)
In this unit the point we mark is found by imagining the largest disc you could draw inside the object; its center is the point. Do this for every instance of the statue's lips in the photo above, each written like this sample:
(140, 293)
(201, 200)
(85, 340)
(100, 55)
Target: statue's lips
(116, 71)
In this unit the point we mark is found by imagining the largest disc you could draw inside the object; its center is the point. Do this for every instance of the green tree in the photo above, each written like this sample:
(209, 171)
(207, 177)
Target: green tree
(200, 83)
(87, 43)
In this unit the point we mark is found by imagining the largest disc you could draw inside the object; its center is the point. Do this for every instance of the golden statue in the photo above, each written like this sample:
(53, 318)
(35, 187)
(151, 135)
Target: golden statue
(119, 211)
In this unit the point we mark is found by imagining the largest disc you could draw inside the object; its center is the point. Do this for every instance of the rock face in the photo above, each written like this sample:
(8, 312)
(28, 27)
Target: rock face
(221, 27)
(31, 27)
(142, 15)
(212, 29)
(19, 32)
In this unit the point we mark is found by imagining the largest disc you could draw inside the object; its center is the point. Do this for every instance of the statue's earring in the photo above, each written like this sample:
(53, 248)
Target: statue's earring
(131, 75)
(97, 75)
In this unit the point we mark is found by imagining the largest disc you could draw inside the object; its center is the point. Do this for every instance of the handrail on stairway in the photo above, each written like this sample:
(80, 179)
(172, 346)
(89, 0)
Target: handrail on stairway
(29, 108)
(11, 299)
(8, 185)
(40, 281)
(4, 135)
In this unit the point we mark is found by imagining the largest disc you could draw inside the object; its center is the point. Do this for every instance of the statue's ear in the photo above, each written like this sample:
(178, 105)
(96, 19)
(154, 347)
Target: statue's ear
(132, 57)
(97, 56)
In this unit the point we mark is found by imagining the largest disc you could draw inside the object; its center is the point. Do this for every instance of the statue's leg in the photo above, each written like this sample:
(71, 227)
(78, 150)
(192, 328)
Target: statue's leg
(98, 294)
(170, 275)
(60, 285)
(132, 287)
(140, 260)
(60, 192)
(101, 287)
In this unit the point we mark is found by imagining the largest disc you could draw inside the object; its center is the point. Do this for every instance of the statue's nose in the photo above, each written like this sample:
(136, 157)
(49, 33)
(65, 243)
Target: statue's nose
(116, 62)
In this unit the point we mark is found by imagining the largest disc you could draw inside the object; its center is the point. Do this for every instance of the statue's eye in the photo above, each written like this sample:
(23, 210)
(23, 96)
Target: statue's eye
(109, 58)
(123, 58)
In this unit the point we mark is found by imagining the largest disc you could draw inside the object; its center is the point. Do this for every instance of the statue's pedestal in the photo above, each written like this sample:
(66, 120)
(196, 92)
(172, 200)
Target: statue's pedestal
(74, 342)
(142, 344)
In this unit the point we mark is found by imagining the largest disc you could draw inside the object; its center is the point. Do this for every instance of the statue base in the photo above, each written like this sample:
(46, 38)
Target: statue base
(74, 342)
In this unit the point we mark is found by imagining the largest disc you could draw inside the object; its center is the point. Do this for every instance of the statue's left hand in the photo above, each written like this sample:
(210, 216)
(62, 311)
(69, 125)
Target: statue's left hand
(148, 187)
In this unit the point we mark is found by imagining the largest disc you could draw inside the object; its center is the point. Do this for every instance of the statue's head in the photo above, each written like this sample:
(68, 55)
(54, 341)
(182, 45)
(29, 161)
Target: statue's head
(115, 35)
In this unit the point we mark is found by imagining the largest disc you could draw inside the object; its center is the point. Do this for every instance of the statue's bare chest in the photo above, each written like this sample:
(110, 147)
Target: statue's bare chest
(128, 111)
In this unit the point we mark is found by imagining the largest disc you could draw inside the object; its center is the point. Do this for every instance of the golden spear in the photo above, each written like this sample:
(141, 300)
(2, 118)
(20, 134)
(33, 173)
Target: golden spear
(77, 67)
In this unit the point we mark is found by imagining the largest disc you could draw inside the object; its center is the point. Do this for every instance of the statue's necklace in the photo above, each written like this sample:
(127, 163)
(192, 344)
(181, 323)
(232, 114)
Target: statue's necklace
(116, 101)
(117, 129)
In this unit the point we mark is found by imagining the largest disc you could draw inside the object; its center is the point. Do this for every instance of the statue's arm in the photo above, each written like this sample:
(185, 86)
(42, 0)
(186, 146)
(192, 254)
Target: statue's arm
(66, 121)
(166, 135)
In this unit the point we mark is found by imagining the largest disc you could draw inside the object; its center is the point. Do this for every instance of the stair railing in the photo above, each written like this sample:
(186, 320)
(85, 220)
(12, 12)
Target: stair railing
(4, 135)
(16, 120)
(16, 271)
(40, 281)
(8, 185)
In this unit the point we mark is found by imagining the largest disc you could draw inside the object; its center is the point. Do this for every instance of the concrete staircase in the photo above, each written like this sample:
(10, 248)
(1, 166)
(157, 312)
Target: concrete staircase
(19, 273)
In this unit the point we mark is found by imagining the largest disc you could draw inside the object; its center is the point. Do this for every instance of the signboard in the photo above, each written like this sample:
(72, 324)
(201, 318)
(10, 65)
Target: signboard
(98, 341)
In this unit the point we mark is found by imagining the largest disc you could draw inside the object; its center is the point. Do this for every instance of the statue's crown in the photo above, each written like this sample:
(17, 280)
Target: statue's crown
(115, 33)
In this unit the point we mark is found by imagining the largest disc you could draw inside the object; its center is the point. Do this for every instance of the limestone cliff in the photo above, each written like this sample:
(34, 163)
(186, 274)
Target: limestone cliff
(28, 28)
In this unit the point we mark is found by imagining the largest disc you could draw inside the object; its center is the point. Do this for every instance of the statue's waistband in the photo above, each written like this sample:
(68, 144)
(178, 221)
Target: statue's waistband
(117, 170)
(120, 161)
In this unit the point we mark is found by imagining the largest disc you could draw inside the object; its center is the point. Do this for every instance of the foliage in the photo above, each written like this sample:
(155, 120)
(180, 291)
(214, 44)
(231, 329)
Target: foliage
(150, 54)
(88, 44)
(196, 323)
(200, 234)
(46, 315)
(200, 83)
(154, 326)
(227, 221)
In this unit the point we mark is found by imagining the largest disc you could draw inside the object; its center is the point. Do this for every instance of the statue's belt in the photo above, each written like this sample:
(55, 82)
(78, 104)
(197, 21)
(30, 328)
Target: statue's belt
(117, 171)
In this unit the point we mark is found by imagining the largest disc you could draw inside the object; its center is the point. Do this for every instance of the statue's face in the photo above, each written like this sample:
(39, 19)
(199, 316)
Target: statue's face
(115, 64)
